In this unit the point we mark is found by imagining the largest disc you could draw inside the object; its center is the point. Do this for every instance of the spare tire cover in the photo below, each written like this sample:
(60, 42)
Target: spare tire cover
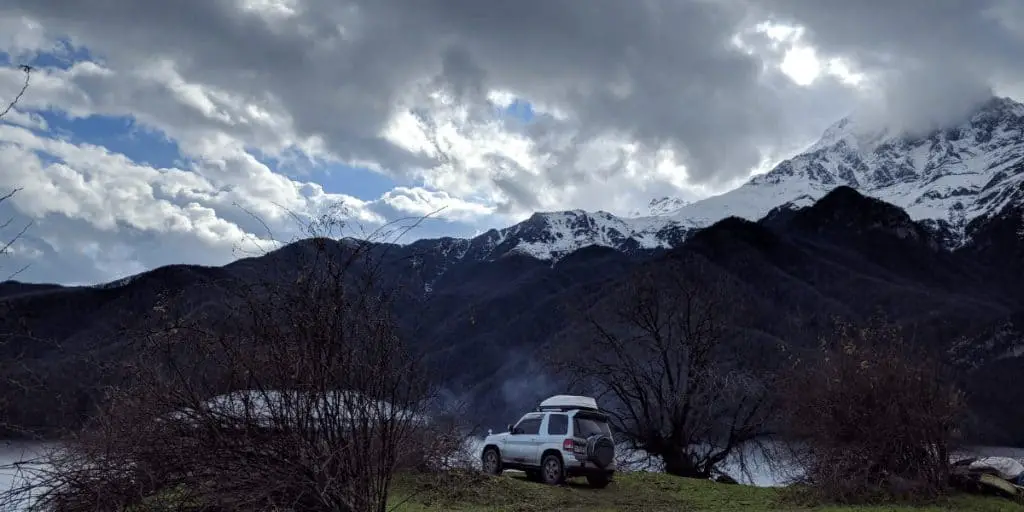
(602, 450)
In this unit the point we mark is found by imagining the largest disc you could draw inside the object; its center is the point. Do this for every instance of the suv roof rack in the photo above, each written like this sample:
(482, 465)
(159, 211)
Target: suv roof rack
(568, 403)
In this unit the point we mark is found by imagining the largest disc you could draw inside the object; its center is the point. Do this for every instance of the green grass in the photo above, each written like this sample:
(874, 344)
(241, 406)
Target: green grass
(629, 492)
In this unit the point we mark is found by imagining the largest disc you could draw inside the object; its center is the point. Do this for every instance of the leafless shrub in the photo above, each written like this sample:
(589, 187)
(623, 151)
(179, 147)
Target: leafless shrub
(873, 416)
(283, 387)
(654, 358)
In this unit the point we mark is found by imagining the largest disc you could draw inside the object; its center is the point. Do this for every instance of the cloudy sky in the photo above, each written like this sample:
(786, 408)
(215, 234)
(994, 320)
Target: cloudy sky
(187, 131)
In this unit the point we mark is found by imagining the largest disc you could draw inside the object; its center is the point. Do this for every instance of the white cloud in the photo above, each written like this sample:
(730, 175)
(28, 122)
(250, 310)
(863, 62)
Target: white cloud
(212, 206)
(796, 58)
(21, 36)
(419, 202)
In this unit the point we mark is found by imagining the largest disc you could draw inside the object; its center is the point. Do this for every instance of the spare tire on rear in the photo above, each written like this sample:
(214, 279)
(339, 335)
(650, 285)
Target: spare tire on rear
(601, 450)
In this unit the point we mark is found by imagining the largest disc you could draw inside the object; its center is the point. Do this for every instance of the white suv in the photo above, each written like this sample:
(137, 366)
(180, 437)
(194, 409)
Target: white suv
(566, 436)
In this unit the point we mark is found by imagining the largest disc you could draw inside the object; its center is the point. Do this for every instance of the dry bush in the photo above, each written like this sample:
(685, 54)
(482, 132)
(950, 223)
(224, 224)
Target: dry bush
(283, 388)
(441, 446)
(873, 416)
(656, 358)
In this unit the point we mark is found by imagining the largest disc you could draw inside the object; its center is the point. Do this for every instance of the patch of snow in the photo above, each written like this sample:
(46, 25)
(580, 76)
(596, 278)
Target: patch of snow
(660, 207)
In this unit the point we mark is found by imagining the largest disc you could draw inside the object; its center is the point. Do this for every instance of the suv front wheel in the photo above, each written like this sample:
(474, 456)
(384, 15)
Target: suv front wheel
(491, 461)
(552, 470)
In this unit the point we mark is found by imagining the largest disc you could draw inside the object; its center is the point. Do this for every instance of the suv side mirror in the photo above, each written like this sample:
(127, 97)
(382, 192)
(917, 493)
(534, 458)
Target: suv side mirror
(511, 429)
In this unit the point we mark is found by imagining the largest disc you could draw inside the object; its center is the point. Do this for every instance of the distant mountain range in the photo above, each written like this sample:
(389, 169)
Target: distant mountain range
(928, 229)
(951, 180)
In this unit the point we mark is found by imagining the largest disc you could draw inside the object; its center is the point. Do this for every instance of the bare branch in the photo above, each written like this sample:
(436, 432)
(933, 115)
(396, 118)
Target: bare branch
(8, 242)
(28, 75)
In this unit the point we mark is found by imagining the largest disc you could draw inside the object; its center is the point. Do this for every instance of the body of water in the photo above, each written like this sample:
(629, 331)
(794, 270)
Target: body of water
(13, 454)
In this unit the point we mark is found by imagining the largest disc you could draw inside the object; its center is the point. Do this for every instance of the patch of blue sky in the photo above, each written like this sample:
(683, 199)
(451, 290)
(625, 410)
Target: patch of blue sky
(63, 56)
(438, 227)
(118, 134)
(519, 110)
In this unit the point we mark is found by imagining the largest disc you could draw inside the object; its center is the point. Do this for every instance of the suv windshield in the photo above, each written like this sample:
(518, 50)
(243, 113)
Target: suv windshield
(587, 425)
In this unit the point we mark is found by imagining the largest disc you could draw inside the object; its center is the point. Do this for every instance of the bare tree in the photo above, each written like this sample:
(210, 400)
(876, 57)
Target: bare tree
(283, 386)
(654, 357)
(7, 241)
(14, 382)
(872, 415)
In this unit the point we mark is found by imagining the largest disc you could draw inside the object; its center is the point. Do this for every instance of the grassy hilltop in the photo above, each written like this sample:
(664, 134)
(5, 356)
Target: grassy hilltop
(632, 492)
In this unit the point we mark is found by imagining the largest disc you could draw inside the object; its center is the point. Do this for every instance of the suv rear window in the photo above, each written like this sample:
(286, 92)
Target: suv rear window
(586, 426)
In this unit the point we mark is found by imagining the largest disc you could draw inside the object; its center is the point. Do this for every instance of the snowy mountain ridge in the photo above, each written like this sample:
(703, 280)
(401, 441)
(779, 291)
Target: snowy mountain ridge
(945, 179)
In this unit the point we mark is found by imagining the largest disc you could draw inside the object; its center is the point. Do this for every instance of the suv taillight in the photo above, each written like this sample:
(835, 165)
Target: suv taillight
(570, 445)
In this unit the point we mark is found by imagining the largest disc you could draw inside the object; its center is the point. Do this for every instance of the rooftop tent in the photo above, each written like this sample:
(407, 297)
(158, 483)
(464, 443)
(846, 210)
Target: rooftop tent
(568, 402)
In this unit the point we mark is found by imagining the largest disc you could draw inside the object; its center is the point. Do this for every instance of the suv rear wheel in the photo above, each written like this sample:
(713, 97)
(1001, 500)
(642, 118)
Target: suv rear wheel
(552, 471)
(491, 461)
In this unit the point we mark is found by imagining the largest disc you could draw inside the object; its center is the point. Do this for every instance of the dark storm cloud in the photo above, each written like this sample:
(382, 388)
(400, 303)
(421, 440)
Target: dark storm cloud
(664, 73)
(879, 33)
(934, 61)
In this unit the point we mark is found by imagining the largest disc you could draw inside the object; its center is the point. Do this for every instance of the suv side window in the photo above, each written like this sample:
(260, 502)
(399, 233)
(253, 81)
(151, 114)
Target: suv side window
(529, 426)
(558, 424)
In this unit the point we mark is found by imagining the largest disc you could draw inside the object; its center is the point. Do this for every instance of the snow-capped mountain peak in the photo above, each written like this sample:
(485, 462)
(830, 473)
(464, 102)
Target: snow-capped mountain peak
(946, 178)
(850, 133)
(550, 235)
